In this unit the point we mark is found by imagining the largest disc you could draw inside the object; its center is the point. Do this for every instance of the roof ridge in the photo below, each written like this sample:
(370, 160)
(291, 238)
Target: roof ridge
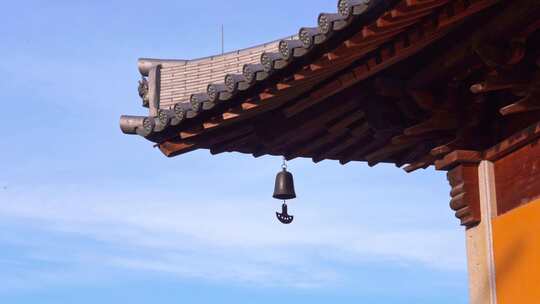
(276, 41)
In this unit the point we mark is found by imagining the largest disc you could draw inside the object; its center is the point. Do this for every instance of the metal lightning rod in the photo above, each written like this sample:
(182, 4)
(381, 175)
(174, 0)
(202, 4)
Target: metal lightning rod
(222, 40)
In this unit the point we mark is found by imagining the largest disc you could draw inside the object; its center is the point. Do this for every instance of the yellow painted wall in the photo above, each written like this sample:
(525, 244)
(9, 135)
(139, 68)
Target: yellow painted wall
(516, 245)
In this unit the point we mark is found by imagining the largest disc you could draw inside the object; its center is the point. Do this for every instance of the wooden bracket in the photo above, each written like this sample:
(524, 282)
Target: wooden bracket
(457, 158)
(465, 199)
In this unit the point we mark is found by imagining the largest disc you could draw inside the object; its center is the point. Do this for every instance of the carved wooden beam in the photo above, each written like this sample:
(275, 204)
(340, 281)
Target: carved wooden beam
(335, 148)
(531, 101)
(364, 147)
(425, 162)
(311, 123)
(174, 148)
(232, 144)
(439, 121)
(448, 147)
(495, 43)
(490, 86)
(527, 104)
(315, 144)
(414, 154)
(464, 137)
(494, 55)
(500, 27)
(513, 143)
(413, 139)
(178, 146)
(378, 156)
(347, 121)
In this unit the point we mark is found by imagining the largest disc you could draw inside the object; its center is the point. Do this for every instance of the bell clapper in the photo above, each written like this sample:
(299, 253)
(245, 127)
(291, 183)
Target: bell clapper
(284, 217)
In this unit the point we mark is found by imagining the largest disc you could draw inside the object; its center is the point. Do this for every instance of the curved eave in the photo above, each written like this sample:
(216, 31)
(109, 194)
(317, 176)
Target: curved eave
(294, 82)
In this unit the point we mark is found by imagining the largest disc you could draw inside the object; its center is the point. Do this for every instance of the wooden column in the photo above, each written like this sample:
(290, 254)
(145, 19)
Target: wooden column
(474, 201)
(496, 196)
(481, 266)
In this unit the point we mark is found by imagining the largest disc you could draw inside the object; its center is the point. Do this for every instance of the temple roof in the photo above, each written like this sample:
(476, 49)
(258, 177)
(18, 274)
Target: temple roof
(404, 81)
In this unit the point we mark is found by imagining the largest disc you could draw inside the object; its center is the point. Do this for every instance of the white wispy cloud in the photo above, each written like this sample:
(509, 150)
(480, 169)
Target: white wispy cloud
(219, 241)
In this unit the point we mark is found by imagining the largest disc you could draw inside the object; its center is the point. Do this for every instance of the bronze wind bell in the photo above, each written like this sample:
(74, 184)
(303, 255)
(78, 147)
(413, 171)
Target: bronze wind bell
(284, 190)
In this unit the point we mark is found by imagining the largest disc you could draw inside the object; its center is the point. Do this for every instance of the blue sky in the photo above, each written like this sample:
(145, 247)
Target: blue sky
(89, 215)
